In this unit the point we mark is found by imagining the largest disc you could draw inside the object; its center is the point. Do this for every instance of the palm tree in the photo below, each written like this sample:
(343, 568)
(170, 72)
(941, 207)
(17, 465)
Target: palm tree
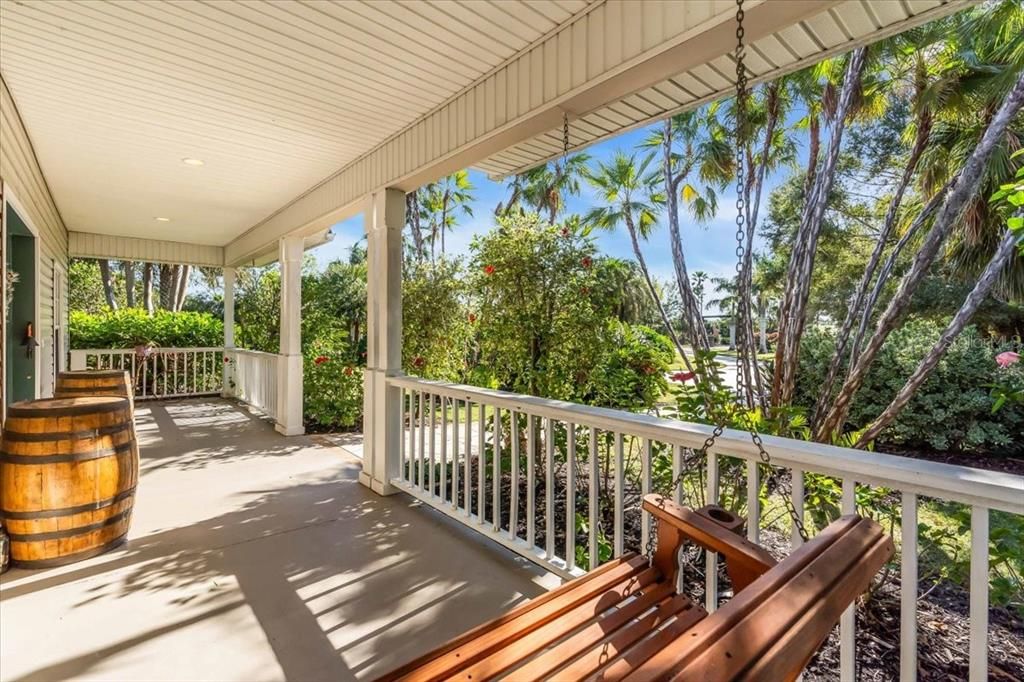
(441, 202)
(953, 203)
(697, 281)
(694, 152)
(793, 307)
(973, 98)
(545, 188)
(627, 196)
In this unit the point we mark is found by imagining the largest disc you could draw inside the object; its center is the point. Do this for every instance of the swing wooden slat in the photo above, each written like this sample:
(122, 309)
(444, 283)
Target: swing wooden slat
(626, 621)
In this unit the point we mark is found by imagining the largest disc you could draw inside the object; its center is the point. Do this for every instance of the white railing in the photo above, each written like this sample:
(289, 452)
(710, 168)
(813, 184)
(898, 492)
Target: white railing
(459, 455)
(160, 372)
(252, 378)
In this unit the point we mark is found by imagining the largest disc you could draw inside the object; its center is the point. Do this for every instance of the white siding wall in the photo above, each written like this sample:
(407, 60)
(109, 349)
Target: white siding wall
(23, 179)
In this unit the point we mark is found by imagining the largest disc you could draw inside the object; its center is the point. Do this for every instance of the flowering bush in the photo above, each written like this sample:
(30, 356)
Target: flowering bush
(332, 382)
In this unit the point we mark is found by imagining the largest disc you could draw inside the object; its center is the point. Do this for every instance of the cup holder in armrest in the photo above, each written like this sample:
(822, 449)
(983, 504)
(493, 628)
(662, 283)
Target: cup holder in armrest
(723, 518)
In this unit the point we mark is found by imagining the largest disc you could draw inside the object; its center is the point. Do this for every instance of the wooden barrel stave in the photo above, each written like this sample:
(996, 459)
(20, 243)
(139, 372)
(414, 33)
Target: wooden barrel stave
(67, 481)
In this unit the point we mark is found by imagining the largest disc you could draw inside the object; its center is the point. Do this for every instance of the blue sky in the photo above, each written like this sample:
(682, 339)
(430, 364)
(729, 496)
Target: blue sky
(710, 247)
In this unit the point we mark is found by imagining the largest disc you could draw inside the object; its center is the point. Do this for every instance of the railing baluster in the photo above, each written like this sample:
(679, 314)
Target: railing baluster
(677, 468)
(798, 505)
(443, 492)
(570, 496)
(908, 589)
(978, 671)
(619, 495)
(531, 482)
(481, 465)
(549, 488)
(467, 479)
(403, 455)
(411, 449)
(513, 505)
(594, 510)
(455, 454)
(421, 473)
(711, 558)
(496, 473)
(430, 447)
(848, 621)
(645, 487)
(753, 501)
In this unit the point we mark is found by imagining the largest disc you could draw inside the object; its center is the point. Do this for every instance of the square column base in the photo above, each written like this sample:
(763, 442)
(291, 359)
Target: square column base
(379, 487)
(290, 430)
(289, 395)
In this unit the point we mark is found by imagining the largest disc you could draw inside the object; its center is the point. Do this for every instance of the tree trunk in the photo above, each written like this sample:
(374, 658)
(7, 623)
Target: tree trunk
(108, 285)
(129, 282)
(412, 207)
(956, 325)
(888, 225)
(168, 284)
(964, 188)
(793, 309)
(654, 292)
(182, 287)
(147, 287)
(692, 313)
(890, 263)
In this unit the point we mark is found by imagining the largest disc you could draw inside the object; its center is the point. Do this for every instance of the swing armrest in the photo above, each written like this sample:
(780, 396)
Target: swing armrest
(745, 561)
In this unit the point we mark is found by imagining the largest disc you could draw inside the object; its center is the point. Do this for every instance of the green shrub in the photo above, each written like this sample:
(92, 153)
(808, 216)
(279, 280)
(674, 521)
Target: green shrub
(953, 409)
(332, 382)
(131, 327)
(630, 374)
(437, 323)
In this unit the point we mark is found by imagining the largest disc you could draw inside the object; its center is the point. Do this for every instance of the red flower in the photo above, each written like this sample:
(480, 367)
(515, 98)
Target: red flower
(488, 269)
(348, 371)
(321, 359)
(418, 361)
(587, 262)
(227, 359)
(683, 376)
(472, 318)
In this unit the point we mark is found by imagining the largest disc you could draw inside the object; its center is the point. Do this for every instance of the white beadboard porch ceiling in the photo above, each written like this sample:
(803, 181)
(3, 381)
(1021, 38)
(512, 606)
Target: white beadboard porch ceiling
(839, 28)
(272, 96)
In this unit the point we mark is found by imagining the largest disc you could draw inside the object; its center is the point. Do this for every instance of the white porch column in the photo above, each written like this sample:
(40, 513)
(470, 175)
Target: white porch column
(228, 387)
(382, 405)
(289, 359)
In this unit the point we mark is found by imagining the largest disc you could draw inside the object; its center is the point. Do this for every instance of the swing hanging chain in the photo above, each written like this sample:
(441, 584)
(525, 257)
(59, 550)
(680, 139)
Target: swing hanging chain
(744, 344)
(565, 135)
(755, 437)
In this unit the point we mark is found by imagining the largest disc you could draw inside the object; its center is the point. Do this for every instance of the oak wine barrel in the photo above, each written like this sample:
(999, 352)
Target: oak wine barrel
(87, 382)
(68, 472)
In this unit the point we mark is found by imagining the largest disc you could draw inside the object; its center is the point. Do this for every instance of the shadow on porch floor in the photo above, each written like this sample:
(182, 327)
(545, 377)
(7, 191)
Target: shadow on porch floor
(254, 557)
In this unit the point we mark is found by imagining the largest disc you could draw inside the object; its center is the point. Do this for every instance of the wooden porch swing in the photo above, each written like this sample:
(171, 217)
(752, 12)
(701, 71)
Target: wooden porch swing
(628, 621)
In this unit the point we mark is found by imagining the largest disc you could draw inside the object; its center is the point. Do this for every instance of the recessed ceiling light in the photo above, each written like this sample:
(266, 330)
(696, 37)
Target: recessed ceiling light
(192, 162)
(162, 220)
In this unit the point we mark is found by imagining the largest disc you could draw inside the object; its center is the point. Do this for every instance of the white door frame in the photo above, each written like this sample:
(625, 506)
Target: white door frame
(10, 199)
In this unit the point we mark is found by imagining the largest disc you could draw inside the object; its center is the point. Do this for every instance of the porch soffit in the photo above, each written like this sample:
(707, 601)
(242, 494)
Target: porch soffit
(614, 67)
(271, 96)
(275, 97)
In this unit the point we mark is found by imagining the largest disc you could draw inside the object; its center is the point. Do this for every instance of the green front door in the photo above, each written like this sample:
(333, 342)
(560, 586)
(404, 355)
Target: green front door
(21, 265)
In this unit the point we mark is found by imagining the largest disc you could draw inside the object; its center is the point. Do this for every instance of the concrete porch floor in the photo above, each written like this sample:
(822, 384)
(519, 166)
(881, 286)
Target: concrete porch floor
(255, 557)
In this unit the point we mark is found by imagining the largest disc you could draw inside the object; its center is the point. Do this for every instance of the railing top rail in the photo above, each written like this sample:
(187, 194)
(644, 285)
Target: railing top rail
(256, 353)
(993, 489)
(153, 349)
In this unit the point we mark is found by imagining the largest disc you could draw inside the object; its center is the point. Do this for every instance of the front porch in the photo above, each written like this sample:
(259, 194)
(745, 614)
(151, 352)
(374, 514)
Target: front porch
(256, 557)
